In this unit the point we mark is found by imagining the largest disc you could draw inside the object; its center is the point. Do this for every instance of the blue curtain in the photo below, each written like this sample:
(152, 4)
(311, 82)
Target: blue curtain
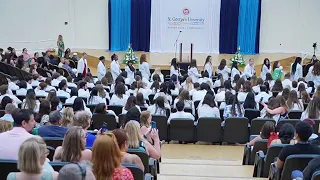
(229, 13)
(120, 24)
(140, 24)
(257, 48)
(109, 19)
(248, 25)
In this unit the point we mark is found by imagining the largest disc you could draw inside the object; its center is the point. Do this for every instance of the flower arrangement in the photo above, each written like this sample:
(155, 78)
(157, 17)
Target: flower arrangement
(238, 58)
(130, 56)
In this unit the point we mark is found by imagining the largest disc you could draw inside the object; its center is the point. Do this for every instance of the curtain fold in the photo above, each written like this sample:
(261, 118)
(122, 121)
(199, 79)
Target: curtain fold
(140, 24)
(120, 24)
(257, 46)
(248, 25)
(229, 13)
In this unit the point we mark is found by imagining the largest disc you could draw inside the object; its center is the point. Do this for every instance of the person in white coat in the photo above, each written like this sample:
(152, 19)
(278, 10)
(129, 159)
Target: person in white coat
(315, 74)
(208, 66)
(130, 72)
(82, 68)
(224, 70)
(102, 70)
(115, 67)
(266, 68)
(144, 68)
(234, 70)
(174, 69)
(249, 70)
(193, 71)
(296, 69)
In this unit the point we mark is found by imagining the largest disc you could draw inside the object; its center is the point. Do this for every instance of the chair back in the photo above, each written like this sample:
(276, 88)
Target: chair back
(51, 152)
(53, 141)
(58, 165)
(162, 126)
(316, 175)
(282, 122)
(91, 107)
(251, 114)
(209, 129)
(143, 156)
(256, 125)
(295, 162)
(116, 109)
(182, 130)
(122, 118)
(295, 114)
(236, 130)
(8, 166)
(272, 153)
(98, 119)
(260, 145)
(135, 170)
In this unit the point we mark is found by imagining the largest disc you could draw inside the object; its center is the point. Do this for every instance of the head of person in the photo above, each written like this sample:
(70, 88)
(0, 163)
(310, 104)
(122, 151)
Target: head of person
(250, 101)
(5, 126)
(55, 118)
(83, 85)
(67, 117)
(131, 102)
(143, 58)
(51, 95)
(24, 118)
(286, 133)
(6, 100)
(120, 90)
(32, 155)
(316, 69)
(251, 62)
(145, 118)
(208, 60)
(84, 55)
(282, 102)
(159, 102)
(134, 135)
(82, 119)
(133, 114)
(174, 63)
(276, 64)
(76, 171)
(45, 107)
(180, 106)
(204, 86)
(293, 99)
(301, 87)
(140, 99)
(313, 108)
(305, 97)
(106, 156)
(222, 64)
(266, 129)
(10, 108)
(277, 86)
(100, 109)
(287, 76)
(311, 122)
(4, 89)
(236, 78)
(209, 100)
(266, 62)
(294, 65)
(74, 92)
(63, 85)
(234, 65)
(303, 131)
(102, 59)
(184, 95)
(114, 57)
(269, 77)
(55, 101)
(235, 105)
(22, 84)
(78, 104)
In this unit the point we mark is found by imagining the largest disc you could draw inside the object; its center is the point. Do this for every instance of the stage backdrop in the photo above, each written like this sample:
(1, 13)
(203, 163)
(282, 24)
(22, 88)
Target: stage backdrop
(198, 21)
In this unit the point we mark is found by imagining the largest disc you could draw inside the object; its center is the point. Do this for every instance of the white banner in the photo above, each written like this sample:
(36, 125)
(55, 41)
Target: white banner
(198, 21)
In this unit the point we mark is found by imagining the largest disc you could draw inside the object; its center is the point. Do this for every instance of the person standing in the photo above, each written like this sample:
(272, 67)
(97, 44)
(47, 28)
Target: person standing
(193, 71)
(144, 68)
(208, 66)
(249, 70)
(266, 68)
(82, 66)
(60, 45)
(102, 70)
(296, 69)
(174, 69)
(115, 67)
(130, 72)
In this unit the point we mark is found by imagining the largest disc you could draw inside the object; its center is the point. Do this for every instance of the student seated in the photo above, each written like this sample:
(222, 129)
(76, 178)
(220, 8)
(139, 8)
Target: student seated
(285, 136)
(180, 113)
(266, 130)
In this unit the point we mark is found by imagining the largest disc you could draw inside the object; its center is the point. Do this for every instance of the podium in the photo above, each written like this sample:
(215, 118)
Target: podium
(184, 63)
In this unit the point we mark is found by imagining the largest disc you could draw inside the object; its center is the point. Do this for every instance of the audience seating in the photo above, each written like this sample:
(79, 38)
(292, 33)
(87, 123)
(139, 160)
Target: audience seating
(7, 166)
(98, 119)
(251, 114)
(263, 160)
(283, 121)
(51, 152)
(316, 175)
(62, 99)
(236, 130)
(295, 114)
(256, 125)
(116, 109)
(150, 165)
(53, 141)
(137, 172)
(91, 107)
(58, 165)
(162, 126)
(182, 130)
(43, 72)
(209, 130)
(250, 152)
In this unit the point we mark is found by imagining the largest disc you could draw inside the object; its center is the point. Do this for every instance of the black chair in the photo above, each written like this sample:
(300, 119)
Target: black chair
(53, 141)
(51, 152)
(162, 126)
(85, 99)
(182, 130)
(150, 165)
(58, 165)
(263, 160)
(98, 119)
(295, 114)
(8, 166)
(251, 114)
(189, 110)
(116, 109)
(275, 93)
(91, 107)
(305, 105)
(256, 125)
(2, 112)
(143, 108)
(209, 130)
(250, 153)
(316, 175)
(236, 130)
(122, 118)
(221, 114)
(21, 98)
(137, 172)
(282, 122)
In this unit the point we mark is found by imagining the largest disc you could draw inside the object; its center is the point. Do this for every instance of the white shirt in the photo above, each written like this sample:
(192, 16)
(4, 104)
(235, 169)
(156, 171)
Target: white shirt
(115, 100)
(152, 109)
(242, 96)
(84, 93)
(101, 70)
(29, 86)
(81, 64)
(181, 114)
(265, 96)
(71, 85)
(115, 69)
(13, 97)
(125, 111)
(264, 71)
(21, 92)
(71, 100)
(298, 74)
(225, 72)
(207, 111)
(199, 95)
(220, 96)
(287, 83)
(40, 93)
(205, 80)
(13, 86)
(309, 75)
(187, 104)
(36, 108)
(297, 107)
(234, 71)
(35, 83)
(174, 71)
(146, 92)
(60, 78)
(62, 93)
(49, 88)
(256, 89)
(217, 83)
(144, 68)
(248, 71)
(96, 100)
(194, 74)
(130, 75)
(55, 82)
(208, 67)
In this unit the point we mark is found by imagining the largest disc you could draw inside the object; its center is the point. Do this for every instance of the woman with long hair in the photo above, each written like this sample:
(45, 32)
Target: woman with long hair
(106, 159)
(208, 108)
(266, 130)
(174, 69)
(277, 70)
(296, 69)
(315, 75)
(193, 71)
(144, 68)
(277, 86)
(73, 147)
(79, 105)
(208, 66)
(286, 135)
(242, 93)
(285, 93)
(131, 102)
(31, 102)
(184, 96)
(305, 98)
(94, 98)
(119, 97)
(233, 108)
(234, 70)
(235, 80)
(103, 109)
(157, 72)
(249, 102)
(67, 54)
(293, 101)
(60, 45)
(159, 107)
(223, 69)
(140, 100)
(155, 87)
(67, 117)
(44, 110)
(281, 111)
(188, 84)
(266, 68)
(270, 80)
(313, 110)
(256, 88)
(219, 81)
(131, 70)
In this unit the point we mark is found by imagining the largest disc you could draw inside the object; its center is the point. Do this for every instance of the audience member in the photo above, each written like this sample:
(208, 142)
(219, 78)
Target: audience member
(265, 133)
(180, 114)
(208, 108)
(67, 117)
(54, 129)
(9, 110)
(285, 136)
(31, 102)
(83, 119)
(76, 171)
(5, 126)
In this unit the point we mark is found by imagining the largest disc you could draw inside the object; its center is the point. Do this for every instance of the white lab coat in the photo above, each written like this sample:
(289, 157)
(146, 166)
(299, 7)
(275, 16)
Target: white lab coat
(208, 67)
(115, 69)
(194, 74)
(144, 68)
(298, 74)
(225, 72)
(264, 71)
(248, 71)
(81, 63)
(101, 70)
(130, 75)
(234, 71)
(174, 71)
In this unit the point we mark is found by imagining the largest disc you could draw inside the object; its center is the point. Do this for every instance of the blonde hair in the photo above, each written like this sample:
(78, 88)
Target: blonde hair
(5, 126)
(144, 116)
(72, 145)
(106, 156)
(67, 117)
(157, 71)
(30, 153)
(81, 119)
(189, 84)
(134, 135)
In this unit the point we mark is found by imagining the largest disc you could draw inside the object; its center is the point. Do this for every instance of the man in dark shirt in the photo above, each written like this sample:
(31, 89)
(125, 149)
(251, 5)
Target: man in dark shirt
(303, 132)
(53, 130)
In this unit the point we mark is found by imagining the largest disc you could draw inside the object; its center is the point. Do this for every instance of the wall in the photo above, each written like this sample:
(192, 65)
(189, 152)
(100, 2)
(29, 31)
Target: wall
(36, 24)
(289, 26)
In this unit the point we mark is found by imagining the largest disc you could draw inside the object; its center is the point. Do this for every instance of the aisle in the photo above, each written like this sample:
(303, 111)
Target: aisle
(203, 162)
